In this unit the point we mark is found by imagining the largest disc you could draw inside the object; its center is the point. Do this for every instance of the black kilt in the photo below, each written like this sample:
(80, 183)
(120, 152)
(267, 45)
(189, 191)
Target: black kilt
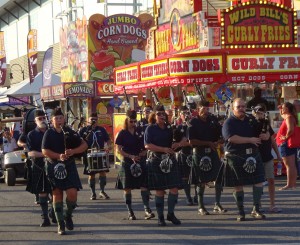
(158, 180)
(86, 170)
(206, 170)
(184, 158)
(71, 181)
(38, 181)
(237, 172)
(126, 180)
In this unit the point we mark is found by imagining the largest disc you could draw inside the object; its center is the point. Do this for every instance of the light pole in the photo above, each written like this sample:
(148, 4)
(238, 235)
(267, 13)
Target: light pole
(11, 74)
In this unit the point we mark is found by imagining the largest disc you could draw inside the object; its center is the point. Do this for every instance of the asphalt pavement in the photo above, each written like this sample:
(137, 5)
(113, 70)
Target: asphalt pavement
(105, 221)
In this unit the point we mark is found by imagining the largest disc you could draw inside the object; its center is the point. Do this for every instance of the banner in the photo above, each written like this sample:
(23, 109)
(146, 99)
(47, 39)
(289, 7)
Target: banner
(47, 67)
(2, 60)
(32, 54)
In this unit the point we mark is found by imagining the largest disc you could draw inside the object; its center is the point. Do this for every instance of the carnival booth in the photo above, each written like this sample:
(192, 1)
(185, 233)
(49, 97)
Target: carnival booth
(225, 55)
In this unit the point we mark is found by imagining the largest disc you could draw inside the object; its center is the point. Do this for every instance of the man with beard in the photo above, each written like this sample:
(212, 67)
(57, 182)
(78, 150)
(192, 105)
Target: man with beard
(243, 161)
(38, 183)
(204, 135)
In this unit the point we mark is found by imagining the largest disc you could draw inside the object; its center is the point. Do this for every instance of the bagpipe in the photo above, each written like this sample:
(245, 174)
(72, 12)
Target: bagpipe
(71, 139)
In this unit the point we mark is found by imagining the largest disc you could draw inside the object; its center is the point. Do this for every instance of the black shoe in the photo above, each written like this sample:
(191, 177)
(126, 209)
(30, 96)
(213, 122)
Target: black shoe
(189, 201)
(61, 228)
(161, 221)
(131, 216)
(103, 195)
(219, 209)
(149, 214)
(257, 214)
(173, 219)
(241, 216)
(45, 222)
(93, 197)
(69, 223)
(203, 211)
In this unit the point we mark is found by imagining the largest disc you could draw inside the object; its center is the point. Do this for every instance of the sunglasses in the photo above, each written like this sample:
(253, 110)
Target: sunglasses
(41, 118)
(132, 121)
(160, 114)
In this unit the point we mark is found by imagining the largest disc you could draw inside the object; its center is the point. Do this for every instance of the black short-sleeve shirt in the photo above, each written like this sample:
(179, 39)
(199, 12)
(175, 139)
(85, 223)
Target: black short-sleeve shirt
(34, 140)
(158, 136)
(265, 148)
(130, 143)
(98, 135)
(53, 141)
(209, 130)
(244, 128)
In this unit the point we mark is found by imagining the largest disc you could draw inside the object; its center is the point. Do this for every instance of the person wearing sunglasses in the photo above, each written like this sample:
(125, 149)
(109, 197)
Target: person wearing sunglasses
(38, 183)
(59, 145)
(96, 137)
(243, 165)
(133, 171)
(204, 134)
(163, 170)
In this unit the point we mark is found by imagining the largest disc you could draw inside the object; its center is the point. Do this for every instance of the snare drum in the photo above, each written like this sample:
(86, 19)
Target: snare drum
(98, 161)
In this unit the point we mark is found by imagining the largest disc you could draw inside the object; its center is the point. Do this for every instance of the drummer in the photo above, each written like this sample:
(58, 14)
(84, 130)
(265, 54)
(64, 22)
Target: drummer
(163, 171)
(96, 137)
(132, 174)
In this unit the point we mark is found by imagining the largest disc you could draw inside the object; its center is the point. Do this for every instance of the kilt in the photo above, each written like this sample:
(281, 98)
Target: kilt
(86, 170)
(38, 181)
(126, 180)
(238, 171)
(158, 180)
(71, 181)
(205, 166)
(184, 166)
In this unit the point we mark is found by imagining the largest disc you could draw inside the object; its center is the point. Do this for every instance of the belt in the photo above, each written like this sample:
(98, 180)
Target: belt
(247, 151)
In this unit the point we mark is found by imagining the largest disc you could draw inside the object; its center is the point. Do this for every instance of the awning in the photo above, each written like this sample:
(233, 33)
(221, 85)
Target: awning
(25, 88)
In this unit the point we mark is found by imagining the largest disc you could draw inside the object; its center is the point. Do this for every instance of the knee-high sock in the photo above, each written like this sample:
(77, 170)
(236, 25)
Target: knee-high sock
(44, 205)
(59, 211)
(92, 184)
(145, 198)
(172, 200)
(159, 203)
(239, 199)
(102, 182)
(200, 192)
(70, 207)
(128, 201)
(187, 188)
(218, 192)
(257, 192)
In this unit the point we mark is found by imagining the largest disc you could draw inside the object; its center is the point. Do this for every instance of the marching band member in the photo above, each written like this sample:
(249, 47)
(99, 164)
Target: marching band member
(184, 156)
(243, 162)
(59, 145)
(95, 135)
(38, 184)
(204, 135)
(163, 171)
(133, 172)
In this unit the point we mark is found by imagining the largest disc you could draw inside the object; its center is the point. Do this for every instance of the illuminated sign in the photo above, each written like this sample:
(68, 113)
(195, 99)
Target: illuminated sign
(105, 88)
(79, 89)
(154, 70)
(126, 75)
(255, 25)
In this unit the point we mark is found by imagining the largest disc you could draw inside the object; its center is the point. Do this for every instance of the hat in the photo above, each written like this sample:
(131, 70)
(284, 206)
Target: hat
(39, 113)
(57, 112)
(259, 108)
(159, 108)
(131, 114)
(204, 103)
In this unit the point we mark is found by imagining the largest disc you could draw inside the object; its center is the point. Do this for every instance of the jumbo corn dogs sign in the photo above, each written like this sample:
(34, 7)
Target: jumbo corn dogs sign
(258, 25)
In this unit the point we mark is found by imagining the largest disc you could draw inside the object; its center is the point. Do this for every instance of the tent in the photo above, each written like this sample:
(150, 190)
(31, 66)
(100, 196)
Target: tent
(25, 88)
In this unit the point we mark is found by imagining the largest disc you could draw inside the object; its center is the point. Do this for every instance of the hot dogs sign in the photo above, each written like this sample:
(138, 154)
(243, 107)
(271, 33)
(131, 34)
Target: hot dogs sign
(111, 41)
(115, 41)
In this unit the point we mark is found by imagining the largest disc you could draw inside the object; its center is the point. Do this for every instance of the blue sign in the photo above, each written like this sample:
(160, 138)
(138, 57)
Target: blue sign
(224, 93)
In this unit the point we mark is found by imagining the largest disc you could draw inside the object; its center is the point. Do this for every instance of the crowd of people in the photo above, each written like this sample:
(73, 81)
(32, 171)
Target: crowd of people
(163, 154)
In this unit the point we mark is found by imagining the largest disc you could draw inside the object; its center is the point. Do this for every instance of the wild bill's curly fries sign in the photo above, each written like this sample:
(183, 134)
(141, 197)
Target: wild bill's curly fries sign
(258, 24)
